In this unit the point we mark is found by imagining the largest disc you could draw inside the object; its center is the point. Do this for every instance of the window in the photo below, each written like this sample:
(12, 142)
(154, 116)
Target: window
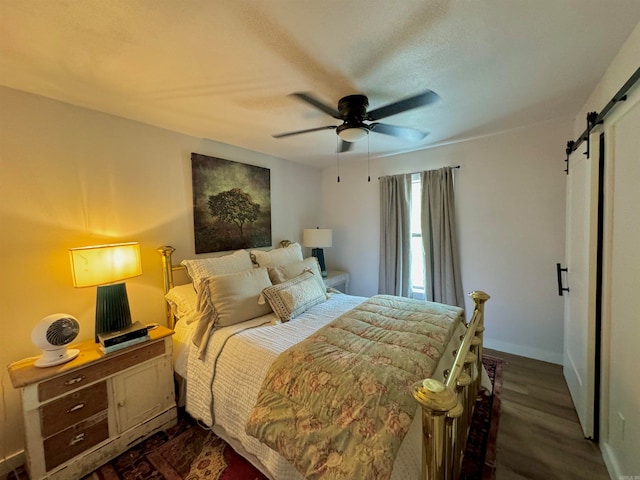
(416, 289)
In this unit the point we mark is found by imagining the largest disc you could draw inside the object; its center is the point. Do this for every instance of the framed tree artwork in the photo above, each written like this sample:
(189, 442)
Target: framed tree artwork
(231, 204)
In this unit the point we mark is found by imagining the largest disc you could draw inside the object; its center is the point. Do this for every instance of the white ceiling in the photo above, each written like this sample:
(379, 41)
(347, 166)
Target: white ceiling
(224, 69)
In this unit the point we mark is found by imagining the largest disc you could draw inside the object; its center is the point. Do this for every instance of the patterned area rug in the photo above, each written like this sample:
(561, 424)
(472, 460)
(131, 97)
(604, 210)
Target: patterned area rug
(184, 452)
(480, 455)
(189, 452)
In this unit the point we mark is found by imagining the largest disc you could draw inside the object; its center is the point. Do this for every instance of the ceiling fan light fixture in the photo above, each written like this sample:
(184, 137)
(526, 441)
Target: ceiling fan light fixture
(352, 134)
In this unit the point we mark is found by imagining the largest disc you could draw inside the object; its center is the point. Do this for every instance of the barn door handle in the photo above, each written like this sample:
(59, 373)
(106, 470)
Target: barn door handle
(559, 269)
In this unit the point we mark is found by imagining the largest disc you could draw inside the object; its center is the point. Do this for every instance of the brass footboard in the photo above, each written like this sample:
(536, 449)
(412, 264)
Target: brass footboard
(447, 407)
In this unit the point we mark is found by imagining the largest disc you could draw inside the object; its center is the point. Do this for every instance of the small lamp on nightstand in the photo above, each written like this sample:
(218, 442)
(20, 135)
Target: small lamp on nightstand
(105, 266)
(317, 239)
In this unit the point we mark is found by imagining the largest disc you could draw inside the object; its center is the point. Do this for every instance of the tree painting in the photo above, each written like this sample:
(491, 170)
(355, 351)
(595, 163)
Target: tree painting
(234, 206)
(231, 204)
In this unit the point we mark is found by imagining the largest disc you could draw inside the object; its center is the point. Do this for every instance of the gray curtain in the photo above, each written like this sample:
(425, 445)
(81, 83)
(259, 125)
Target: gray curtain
(443, 282)
(395, 235)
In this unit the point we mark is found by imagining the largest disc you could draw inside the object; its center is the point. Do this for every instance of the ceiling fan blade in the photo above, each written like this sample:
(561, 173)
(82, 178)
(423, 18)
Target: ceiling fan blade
(345, 146)
(400, 106)
(298, 132)
(406, 133)
(306, 97)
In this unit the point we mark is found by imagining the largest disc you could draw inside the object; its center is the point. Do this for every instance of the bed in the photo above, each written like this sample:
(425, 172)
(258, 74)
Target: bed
(243, 313)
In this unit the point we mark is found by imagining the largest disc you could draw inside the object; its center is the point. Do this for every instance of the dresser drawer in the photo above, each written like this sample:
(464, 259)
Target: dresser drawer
(73, 408)
(70, 442)
(87, 375)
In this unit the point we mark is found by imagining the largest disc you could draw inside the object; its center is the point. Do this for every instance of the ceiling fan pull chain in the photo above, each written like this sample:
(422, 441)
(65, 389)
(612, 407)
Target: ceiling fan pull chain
(338, 158)
(368, 160)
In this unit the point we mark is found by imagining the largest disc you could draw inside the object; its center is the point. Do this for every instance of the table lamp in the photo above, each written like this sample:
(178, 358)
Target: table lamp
(317, 239)
(106, 266)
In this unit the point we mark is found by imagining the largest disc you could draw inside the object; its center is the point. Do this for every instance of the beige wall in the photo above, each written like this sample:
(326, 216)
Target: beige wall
(71, 177)
(510, 201)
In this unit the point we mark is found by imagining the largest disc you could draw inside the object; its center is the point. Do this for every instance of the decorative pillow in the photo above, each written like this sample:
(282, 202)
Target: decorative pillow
(234, 297)
(293, 297)
(200, 269)
(278, 256)
(183, 302)
(283, 273)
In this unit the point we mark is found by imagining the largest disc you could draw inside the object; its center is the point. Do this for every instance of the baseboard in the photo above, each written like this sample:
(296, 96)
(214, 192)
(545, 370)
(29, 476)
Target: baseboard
(610, 461)
(10, 463)
(535, 353)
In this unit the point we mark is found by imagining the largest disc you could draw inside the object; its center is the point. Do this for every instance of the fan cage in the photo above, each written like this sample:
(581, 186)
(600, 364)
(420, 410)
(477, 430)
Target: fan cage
(62, 331)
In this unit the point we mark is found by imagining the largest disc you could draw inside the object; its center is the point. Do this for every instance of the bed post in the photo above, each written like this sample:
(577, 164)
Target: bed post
(479, 299)
(167, 275)
(437, 400)
(447, 408)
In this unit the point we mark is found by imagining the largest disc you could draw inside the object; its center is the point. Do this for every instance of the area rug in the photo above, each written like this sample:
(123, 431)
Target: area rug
(189, 452)
(480, 455)
(184, 452)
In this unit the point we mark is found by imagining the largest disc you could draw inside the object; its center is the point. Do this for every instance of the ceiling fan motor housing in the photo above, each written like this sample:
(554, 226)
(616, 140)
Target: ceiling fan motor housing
(353, 108)
(353, 111)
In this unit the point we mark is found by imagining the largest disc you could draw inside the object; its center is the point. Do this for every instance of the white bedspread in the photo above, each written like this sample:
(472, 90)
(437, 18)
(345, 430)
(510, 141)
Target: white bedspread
(183, 333)
(249, 350)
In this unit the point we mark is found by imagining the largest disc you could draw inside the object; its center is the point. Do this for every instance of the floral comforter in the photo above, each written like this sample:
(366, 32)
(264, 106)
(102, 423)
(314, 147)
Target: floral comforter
(338, 404)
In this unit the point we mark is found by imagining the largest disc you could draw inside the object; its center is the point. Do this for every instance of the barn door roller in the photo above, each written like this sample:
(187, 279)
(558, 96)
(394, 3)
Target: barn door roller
(595, 118)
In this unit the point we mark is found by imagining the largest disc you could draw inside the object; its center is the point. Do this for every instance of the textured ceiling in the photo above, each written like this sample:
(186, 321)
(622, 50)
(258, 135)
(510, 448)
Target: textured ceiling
(224, 69)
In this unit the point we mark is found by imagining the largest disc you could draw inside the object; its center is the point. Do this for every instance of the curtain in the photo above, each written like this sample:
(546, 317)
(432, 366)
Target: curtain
(395, 235)
(443, 282)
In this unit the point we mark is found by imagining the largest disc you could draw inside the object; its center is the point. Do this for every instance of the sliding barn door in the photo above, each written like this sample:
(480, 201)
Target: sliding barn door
(621, 315)
(580, 279)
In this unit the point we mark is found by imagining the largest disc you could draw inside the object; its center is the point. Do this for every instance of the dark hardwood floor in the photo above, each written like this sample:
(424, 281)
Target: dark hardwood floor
(539, 435)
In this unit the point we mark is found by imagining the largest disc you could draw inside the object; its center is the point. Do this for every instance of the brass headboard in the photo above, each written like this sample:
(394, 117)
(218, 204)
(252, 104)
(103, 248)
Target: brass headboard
(167, 276)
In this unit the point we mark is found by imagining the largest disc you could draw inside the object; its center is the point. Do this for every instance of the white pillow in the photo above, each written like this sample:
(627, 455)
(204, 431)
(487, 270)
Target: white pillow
(278, 256)
(183, 302)
(200, 269)
(295, 296)
(282, 273)
(234, 297)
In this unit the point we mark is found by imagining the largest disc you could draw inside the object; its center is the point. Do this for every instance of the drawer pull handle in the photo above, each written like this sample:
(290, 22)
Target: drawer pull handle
(74, 380)
(76, 408)
(77, 439)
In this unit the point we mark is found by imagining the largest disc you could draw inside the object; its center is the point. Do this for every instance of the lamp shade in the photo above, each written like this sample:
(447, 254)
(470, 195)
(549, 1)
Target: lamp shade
(103, 264)
(317, 237)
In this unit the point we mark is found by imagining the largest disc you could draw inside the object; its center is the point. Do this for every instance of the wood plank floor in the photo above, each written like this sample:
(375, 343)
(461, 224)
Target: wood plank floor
(539, 436)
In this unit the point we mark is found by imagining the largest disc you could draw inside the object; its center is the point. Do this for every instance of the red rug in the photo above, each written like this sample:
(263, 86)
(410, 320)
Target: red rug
(184, 452)
(189, 452)
(480, 456)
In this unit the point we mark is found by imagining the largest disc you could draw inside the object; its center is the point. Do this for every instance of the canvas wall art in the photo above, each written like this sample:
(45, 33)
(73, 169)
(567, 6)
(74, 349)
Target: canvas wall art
(231, 204)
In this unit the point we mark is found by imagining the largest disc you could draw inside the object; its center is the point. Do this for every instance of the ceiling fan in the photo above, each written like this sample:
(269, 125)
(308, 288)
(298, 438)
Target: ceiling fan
(352, 110)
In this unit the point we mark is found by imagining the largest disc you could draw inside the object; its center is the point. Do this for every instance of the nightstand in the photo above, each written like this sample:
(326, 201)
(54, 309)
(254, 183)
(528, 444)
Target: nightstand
(337, 279)
(83, 413)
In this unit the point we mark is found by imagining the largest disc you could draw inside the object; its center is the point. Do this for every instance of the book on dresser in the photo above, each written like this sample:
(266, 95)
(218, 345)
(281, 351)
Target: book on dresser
(125, 337)
(121, 345)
